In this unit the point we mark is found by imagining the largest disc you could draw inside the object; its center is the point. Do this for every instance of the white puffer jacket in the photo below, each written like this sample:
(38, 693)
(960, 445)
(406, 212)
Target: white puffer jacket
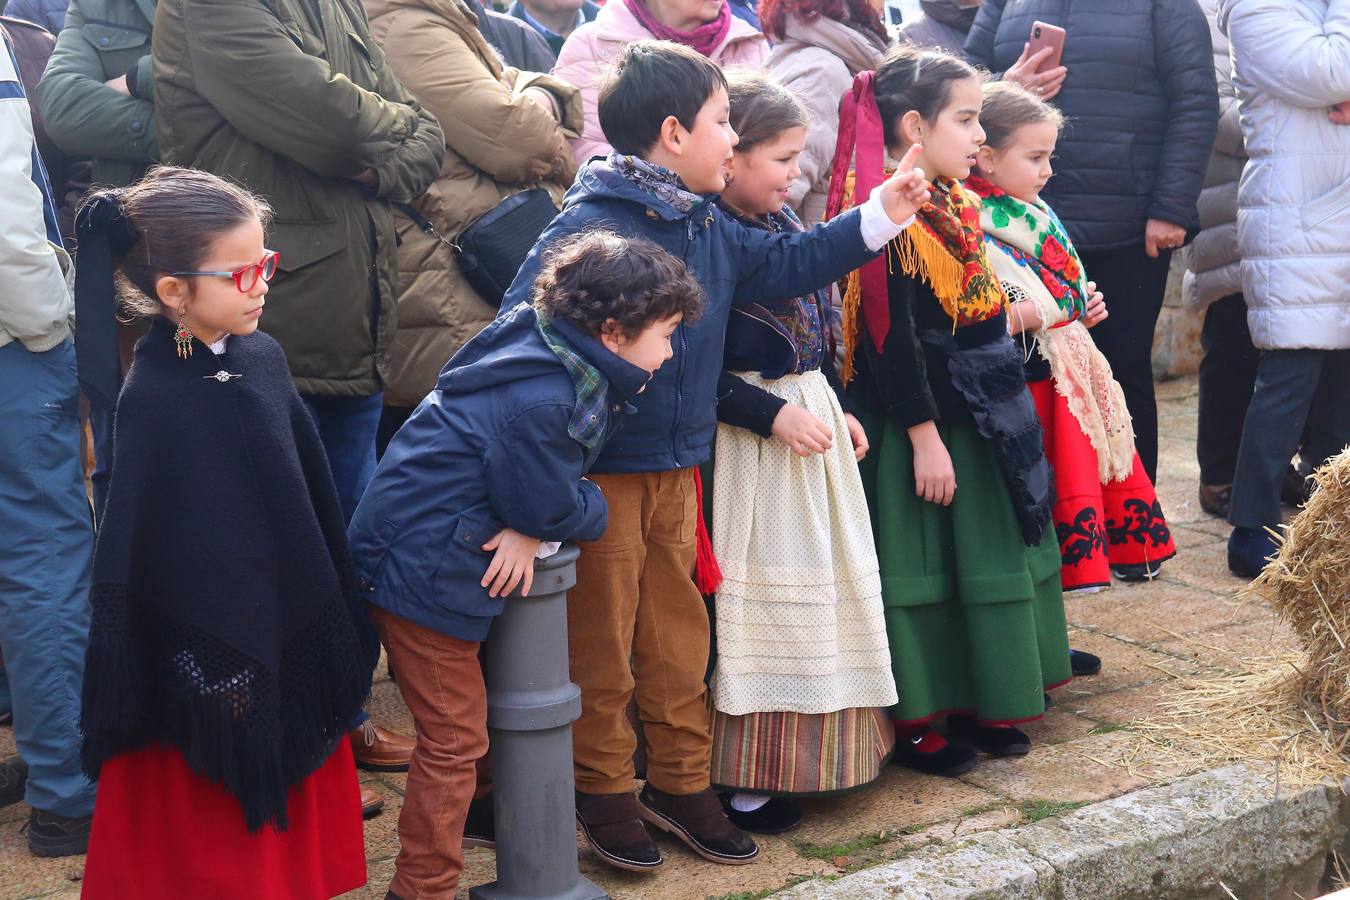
(1291, 63)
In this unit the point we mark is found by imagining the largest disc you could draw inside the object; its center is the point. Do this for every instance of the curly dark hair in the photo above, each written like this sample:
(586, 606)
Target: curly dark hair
(857, 14)
(600, 275)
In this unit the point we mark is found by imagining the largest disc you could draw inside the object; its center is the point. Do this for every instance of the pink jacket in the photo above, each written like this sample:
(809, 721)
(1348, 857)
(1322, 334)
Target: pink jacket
(591, 49)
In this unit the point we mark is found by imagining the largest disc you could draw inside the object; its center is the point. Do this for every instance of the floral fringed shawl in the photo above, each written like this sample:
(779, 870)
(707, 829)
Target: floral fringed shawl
(944, 246)
(1036, 261)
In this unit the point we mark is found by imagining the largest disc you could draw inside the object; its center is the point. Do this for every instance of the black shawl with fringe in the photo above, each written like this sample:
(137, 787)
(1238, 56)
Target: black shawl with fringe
(228, 621)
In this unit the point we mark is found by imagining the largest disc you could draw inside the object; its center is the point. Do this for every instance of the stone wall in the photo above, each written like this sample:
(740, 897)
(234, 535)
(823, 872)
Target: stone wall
(1176, 341)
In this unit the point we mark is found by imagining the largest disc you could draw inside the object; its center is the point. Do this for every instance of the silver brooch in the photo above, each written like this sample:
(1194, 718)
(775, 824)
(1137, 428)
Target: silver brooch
(222, 376)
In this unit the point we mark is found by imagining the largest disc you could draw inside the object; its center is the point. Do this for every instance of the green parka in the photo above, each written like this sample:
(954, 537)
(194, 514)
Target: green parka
(291, 98)
(103, 40)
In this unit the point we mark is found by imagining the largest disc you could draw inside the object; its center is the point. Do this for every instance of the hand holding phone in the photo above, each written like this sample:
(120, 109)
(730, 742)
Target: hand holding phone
(1044, 35)
(1039, 68)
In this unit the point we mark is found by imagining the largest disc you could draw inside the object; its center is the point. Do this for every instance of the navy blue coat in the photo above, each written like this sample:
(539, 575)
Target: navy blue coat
(677, 413)
(488, 448)
(50, 14)
(1140, 102)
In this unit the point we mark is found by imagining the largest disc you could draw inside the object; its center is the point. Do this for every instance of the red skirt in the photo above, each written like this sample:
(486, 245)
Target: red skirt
(162, 831)
(1098, 525)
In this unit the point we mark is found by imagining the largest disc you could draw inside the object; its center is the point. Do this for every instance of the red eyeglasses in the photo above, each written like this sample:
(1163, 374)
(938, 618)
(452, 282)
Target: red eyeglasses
(246, 277)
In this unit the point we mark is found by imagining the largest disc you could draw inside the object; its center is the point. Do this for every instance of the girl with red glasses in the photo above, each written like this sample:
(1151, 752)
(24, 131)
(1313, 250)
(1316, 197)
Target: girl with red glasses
(230, 648)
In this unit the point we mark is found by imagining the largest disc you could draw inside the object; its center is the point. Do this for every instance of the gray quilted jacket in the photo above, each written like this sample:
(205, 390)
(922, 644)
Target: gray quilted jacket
(1291, 62)
(1213, 264)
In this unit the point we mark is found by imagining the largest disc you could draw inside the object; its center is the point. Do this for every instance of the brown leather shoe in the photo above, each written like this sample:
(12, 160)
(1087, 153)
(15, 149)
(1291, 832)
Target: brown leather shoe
(377, 750)
(1216, 499)
(698, 820)
(612, 824)
(371, 803)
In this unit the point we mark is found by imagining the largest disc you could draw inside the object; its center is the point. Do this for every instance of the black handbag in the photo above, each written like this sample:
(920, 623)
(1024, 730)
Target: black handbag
(493, 247)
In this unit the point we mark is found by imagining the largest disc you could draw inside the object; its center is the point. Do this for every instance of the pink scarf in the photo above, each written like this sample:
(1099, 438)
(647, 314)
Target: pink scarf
(705, 38)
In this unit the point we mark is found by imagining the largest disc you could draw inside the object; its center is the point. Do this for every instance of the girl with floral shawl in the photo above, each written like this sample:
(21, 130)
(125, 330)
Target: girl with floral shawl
(1107, 515)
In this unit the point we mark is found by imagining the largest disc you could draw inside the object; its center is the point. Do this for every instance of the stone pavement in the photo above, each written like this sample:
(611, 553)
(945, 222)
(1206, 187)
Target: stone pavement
(1188, 623)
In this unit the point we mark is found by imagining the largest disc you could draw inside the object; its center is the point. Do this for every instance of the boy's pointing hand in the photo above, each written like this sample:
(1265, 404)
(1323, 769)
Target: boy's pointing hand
(904, 192)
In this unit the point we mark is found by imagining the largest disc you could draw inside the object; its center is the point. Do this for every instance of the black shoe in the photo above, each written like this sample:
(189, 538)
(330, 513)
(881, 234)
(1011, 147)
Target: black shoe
(480, 827)
(775, 817)
(6, 700)
(1084, 663)
(949, 761)
(1000, 741)
(1295, 487)
(52, 835)
(1136, 572)
(13, 777)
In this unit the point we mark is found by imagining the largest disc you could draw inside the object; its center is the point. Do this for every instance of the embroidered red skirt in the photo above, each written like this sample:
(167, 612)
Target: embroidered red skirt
(1098, 525)
(162, 832)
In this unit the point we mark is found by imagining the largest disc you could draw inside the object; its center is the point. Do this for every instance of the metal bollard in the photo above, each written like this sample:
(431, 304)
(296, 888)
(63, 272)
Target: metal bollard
(531, 706)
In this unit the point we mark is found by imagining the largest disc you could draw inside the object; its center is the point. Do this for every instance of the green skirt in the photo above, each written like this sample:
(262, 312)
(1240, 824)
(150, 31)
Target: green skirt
(974, 616)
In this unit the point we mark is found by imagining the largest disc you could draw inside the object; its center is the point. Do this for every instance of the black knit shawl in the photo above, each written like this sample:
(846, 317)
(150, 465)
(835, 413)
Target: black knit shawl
(227, 618)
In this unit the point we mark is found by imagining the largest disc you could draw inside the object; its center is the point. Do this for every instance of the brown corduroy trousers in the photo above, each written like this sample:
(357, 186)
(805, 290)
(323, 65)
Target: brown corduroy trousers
(637, 626)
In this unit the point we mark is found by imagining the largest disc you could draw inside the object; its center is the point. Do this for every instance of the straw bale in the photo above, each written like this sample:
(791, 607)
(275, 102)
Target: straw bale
(1308, 583)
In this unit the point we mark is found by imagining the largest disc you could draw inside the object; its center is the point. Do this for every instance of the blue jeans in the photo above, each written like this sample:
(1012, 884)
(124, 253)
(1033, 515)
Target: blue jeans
(45, 548)
(347, 427)
(1299, 404)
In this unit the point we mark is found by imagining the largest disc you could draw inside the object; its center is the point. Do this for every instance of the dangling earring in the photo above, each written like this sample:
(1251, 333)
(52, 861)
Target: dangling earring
(182, 338)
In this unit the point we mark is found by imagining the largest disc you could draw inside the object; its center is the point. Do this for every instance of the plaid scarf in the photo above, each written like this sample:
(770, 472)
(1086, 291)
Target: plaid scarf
(1032, 235)
(657, 180)
(587, 426)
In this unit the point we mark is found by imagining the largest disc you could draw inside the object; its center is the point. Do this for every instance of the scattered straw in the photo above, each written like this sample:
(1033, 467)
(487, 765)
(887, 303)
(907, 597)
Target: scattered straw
(1293, 710)
(1261, 715)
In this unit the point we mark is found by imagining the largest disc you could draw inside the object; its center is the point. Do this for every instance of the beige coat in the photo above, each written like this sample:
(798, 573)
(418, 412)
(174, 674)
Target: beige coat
(497, 137)
(817, 61)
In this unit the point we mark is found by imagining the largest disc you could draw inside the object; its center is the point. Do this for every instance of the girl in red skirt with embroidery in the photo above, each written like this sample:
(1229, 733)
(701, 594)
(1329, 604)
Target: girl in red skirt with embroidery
(230, 650)
(1107, 516)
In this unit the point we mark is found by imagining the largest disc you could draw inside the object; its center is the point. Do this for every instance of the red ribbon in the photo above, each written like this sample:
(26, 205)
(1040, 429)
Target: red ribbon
(861, 130)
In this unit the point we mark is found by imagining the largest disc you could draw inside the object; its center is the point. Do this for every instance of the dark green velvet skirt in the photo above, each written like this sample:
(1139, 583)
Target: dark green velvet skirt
(974, 616)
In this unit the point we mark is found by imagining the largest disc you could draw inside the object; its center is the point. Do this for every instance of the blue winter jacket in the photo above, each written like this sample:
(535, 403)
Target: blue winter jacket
(488, 448)
(50, 14)
(677, 413)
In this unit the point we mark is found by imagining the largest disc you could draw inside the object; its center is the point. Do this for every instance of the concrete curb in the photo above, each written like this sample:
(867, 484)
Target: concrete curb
(1189, 839)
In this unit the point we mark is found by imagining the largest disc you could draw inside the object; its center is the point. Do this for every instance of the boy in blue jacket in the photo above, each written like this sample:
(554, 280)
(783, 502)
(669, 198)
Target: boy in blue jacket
(490, 464)
(636, 621)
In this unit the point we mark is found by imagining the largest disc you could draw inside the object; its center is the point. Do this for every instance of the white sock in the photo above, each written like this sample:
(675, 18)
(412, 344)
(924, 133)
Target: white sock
(748, 802)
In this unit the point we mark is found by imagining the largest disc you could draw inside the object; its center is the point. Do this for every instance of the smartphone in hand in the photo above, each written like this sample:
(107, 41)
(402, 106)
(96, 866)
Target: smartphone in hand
(1044, 35)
